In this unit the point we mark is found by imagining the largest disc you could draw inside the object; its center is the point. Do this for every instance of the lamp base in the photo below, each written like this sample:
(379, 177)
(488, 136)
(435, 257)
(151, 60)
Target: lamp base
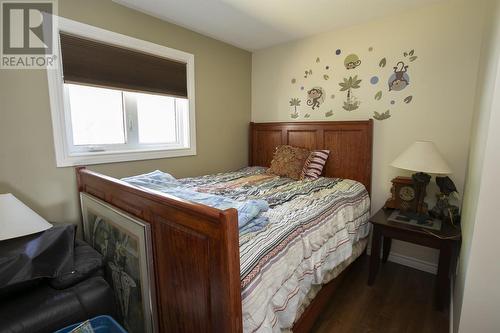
(421, 177)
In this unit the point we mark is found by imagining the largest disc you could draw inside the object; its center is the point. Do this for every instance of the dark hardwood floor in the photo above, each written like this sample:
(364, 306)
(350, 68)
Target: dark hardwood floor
(401, 300)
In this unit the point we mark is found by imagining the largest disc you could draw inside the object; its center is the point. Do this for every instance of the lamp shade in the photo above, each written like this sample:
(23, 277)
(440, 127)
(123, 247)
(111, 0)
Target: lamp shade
(17, 219)
(422, 156)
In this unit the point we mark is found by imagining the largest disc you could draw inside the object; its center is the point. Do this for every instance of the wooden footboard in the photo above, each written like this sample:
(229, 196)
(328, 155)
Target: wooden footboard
(196, 255)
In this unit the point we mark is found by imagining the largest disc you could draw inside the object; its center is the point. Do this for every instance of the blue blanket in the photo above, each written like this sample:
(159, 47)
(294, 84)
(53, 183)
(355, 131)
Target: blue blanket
(249, 212)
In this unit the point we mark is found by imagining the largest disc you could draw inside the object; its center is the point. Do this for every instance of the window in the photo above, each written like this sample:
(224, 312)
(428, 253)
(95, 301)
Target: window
(105, 119)
(116, 98)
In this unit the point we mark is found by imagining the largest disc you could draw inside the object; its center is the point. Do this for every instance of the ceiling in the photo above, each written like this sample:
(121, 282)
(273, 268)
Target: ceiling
(257, 24)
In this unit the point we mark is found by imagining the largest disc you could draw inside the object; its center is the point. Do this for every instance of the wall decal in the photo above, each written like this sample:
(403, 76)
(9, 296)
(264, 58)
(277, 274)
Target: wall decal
(382, 116)
(399, 79)
(315, 97)
(410, 54)
(348, 85)
(351, 103)
(352, 61)
(295, 102)
(316, 92)
(408, 99)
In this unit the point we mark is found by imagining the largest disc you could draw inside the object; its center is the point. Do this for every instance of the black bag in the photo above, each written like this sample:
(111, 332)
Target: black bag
(24, 261)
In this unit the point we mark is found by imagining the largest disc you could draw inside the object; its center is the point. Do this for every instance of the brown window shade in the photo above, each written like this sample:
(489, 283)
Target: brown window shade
(94, 63)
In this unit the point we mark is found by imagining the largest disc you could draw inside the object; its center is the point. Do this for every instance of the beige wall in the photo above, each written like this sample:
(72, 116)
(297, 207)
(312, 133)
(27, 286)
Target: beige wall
(446, 38)
(477, 296)
(27, 161)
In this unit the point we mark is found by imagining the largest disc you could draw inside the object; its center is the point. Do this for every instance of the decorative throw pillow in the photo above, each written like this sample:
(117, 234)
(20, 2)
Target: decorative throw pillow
(314, 164)
(288, 161)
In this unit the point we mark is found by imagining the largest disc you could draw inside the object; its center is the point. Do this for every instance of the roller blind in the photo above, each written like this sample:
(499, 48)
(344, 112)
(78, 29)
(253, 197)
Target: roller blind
(89, 62)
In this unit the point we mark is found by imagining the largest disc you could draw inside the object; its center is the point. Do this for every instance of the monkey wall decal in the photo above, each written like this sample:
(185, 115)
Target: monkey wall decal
(399, 79)
(315, 97)
(352, 61)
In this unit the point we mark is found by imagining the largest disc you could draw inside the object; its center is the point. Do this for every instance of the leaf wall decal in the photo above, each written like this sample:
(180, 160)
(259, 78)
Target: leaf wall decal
(382, 116)
(413, 58)
(378, 95)
(408, 99)
(382, 62)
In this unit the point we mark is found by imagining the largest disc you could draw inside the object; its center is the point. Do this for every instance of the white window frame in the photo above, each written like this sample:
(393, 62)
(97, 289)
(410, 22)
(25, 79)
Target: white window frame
(59, 102)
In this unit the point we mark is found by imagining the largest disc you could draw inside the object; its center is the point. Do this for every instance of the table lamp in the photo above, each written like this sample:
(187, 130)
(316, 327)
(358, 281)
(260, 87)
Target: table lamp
(408, 194)
(17, 219)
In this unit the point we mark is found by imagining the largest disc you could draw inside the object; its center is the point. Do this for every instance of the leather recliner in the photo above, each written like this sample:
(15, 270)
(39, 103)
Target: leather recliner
(52, 304)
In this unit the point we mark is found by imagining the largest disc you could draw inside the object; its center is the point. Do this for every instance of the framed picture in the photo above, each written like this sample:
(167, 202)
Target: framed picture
(428, 223)
(125, 243)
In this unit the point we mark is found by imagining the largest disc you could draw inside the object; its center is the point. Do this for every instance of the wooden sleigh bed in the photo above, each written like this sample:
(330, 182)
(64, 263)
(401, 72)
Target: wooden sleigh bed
(196, 248)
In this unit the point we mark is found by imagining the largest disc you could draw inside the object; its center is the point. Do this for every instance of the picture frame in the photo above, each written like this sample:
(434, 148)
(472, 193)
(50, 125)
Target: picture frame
(429, 223)
(125, 243)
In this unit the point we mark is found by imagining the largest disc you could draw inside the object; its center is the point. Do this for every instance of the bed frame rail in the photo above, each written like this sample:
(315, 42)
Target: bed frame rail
(195, 250)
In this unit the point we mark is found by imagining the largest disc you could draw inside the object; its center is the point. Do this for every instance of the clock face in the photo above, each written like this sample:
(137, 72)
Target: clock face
(407, 193)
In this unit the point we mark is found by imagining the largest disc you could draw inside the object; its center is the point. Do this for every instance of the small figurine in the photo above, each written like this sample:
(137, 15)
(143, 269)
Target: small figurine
(443, 209)
(446, 185)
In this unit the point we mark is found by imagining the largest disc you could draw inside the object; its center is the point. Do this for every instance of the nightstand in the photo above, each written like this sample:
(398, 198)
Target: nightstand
(447, 241)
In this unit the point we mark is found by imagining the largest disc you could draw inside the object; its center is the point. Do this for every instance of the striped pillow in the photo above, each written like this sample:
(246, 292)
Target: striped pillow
(313, 167)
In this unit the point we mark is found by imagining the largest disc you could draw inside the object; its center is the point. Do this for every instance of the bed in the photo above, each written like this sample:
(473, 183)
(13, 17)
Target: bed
(210, 279)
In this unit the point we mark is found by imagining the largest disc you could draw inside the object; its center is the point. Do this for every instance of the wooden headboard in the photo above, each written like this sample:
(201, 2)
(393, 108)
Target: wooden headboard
(349, 142)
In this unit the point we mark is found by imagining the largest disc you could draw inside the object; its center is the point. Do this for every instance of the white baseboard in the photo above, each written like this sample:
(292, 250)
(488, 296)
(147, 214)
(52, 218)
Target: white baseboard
(421, 265)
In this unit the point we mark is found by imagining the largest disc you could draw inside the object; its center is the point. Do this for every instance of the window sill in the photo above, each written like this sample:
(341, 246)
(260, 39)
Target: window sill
(121, 156)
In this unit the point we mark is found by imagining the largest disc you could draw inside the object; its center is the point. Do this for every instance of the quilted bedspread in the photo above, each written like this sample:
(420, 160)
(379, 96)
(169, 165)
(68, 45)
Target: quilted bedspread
(313, 227)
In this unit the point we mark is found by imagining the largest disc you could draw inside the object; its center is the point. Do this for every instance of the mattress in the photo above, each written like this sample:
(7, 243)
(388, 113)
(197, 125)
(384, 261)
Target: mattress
(316, 228)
